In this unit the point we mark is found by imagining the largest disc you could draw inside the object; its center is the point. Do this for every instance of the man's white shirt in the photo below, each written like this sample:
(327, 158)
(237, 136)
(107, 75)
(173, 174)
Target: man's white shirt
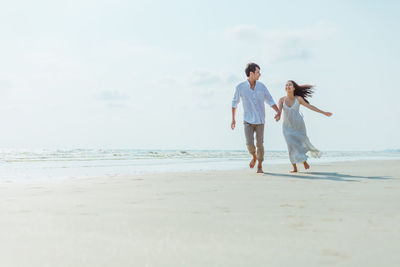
(253, 101)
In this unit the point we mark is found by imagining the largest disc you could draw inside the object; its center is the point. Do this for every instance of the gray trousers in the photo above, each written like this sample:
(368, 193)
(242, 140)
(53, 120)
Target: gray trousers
(249, 130)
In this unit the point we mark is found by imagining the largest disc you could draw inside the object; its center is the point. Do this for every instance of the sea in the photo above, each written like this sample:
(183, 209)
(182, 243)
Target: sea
(77, 163)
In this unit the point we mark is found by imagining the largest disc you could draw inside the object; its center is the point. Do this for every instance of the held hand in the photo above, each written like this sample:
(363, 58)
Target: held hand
(233, 124)
(328, 114)
(277, 117)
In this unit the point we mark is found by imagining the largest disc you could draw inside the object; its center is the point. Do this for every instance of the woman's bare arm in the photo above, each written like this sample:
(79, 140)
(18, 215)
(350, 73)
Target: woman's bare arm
(313, 108)
(280, 107)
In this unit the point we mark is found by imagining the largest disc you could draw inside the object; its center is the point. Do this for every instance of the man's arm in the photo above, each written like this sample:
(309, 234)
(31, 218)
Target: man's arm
(233, 124)
(275, 107)
(235, 102)
(270, 101)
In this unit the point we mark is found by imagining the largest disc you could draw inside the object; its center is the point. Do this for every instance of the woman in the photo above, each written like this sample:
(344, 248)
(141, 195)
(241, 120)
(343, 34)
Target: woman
(293, 127)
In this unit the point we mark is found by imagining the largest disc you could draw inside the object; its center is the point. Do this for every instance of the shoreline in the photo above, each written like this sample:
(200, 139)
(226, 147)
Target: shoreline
(219, 165)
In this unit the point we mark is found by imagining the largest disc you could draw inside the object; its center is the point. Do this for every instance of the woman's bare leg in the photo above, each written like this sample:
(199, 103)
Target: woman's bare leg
(294, 168)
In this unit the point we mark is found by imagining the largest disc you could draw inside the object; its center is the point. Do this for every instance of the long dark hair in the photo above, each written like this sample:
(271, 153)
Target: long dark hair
(304, 91)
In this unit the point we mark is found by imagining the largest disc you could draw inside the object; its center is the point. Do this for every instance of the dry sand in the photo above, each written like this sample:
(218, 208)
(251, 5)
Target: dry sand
(337, 214)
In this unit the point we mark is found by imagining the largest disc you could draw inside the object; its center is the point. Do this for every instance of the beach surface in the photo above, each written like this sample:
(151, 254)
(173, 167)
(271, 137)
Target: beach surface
(335, 214)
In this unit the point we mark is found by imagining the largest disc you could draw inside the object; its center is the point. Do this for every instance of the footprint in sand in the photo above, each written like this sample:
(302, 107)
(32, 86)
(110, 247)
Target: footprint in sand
(224, 209)
(336, 254)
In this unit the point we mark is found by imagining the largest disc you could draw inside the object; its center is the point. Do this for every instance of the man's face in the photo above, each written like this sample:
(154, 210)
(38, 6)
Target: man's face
(256, 74)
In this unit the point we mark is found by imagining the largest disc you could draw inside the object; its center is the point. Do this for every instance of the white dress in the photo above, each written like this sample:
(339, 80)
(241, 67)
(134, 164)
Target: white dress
(294, 131)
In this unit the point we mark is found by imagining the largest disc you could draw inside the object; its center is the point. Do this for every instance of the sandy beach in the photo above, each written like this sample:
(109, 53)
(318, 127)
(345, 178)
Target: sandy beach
(336, 214)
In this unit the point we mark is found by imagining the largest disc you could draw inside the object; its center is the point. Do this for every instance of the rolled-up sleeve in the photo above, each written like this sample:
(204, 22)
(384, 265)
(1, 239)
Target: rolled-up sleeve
(236, 98)
(268, 98)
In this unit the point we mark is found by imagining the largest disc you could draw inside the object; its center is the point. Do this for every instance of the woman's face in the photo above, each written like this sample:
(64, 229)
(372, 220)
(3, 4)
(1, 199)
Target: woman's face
(289, 87)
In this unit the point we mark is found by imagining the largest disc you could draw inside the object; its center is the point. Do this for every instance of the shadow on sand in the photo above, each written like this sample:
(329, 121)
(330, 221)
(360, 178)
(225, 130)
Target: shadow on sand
(334, 176)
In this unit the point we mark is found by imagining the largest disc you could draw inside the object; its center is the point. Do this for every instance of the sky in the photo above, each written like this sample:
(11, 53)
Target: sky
(161, 74)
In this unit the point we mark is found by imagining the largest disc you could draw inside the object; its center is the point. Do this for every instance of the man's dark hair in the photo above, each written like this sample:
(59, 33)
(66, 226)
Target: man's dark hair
(251, 67)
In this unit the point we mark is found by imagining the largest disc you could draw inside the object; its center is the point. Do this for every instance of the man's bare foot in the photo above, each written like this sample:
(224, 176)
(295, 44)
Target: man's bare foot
(253, 162)
(259, 168)
(306, 165)
(294, 168)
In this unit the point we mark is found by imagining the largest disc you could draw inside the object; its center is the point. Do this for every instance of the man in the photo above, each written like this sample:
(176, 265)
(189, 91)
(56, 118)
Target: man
(253, 94)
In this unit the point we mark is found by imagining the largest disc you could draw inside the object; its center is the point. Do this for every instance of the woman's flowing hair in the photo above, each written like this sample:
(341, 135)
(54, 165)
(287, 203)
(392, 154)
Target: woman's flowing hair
(304, 91)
